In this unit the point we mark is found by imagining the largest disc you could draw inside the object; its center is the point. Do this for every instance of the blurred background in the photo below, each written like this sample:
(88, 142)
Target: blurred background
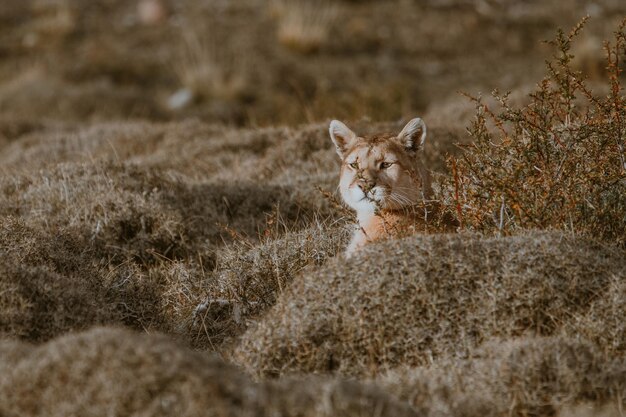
(270, 62)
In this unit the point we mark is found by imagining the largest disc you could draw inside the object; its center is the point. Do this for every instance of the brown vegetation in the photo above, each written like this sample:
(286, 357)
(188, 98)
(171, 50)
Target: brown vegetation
(413, 301)
(304, 26)
(127, 258)
(115, 211)
(158, 236)
(208, 69)
(559, 162)
(526, 377)
(116, 372)
(43, 287)
(110, 370)
(73, 61)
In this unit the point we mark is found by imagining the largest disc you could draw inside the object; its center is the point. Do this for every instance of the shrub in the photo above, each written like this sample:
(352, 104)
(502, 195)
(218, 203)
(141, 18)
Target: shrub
(558, 162)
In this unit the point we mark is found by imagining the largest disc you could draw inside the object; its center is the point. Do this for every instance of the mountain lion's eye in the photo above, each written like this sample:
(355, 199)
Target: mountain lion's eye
(354, 165)
(385, 165)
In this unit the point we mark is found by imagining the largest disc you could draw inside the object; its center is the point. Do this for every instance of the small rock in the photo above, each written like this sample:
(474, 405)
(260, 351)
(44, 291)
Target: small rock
(180, 99)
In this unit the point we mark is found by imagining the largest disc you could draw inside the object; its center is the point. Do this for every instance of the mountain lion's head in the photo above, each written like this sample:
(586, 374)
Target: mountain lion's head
(383, 171)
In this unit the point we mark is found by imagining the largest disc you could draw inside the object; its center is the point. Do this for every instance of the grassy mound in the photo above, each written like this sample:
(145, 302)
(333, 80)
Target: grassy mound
(116, 372)
(48, 284)
(160, 226)
(525, 377)
(116, 244)
(134, 212)
(161, 235)
(55, 282)
(210, 307)
(405, 302)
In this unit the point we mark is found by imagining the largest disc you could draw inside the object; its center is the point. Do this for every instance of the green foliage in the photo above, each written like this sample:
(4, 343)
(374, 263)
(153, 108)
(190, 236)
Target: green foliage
(558, 162)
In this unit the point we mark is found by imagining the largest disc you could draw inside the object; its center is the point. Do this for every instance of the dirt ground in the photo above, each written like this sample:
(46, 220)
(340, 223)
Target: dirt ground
(169, 215)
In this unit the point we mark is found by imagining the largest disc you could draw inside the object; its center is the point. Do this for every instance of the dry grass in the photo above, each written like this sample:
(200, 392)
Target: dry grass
(591, 410)
(43, 291)
(226, 239)
(51, 23)
(304, 25)
(131, 212)
(413, 301)
(525, 377)
(199, 151)
(102, 62)
(34, 91)
(108, 370)
(116, 372)
(210, 308)
(208, 67)
(197, 258)
(52, 283)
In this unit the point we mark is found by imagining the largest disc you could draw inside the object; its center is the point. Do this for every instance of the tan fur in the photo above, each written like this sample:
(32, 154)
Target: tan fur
(384, 180)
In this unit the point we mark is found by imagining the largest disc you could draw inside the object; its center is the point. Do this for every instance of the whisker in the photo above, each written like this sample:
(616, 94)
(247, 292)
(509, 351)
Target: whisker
(401, 198)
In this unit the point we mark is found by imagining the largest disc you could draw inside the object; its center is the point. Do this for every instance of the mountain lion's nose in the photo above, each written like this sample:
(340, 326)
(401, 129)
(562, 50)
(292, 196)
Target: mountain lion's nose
(366, 184)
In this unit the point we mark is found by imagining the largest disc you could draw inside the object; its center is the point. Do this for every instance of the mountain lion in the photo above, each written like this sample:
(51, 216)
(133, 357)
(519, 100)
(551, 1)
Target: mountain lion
(383, 179)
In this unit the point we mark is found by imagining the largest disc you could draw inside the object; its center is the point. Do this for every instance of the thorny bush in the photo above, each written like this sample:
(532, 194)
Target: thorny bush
(558, 162)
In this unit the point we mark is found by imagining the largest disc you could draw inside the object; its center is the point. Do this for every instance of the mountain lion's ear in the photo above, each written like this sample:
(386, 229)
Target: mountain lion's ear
(342, 136)
(413, 135)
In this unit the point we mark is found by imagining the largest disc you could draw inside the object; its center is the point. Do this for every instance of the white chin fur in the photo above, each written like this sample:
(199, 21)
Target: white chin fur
(354, 197)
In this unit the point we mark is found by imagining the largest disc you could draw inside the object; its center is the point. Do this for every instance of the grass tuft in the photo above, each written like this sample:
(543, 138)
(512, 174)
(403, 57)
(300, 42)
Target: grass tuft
(305, 25)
